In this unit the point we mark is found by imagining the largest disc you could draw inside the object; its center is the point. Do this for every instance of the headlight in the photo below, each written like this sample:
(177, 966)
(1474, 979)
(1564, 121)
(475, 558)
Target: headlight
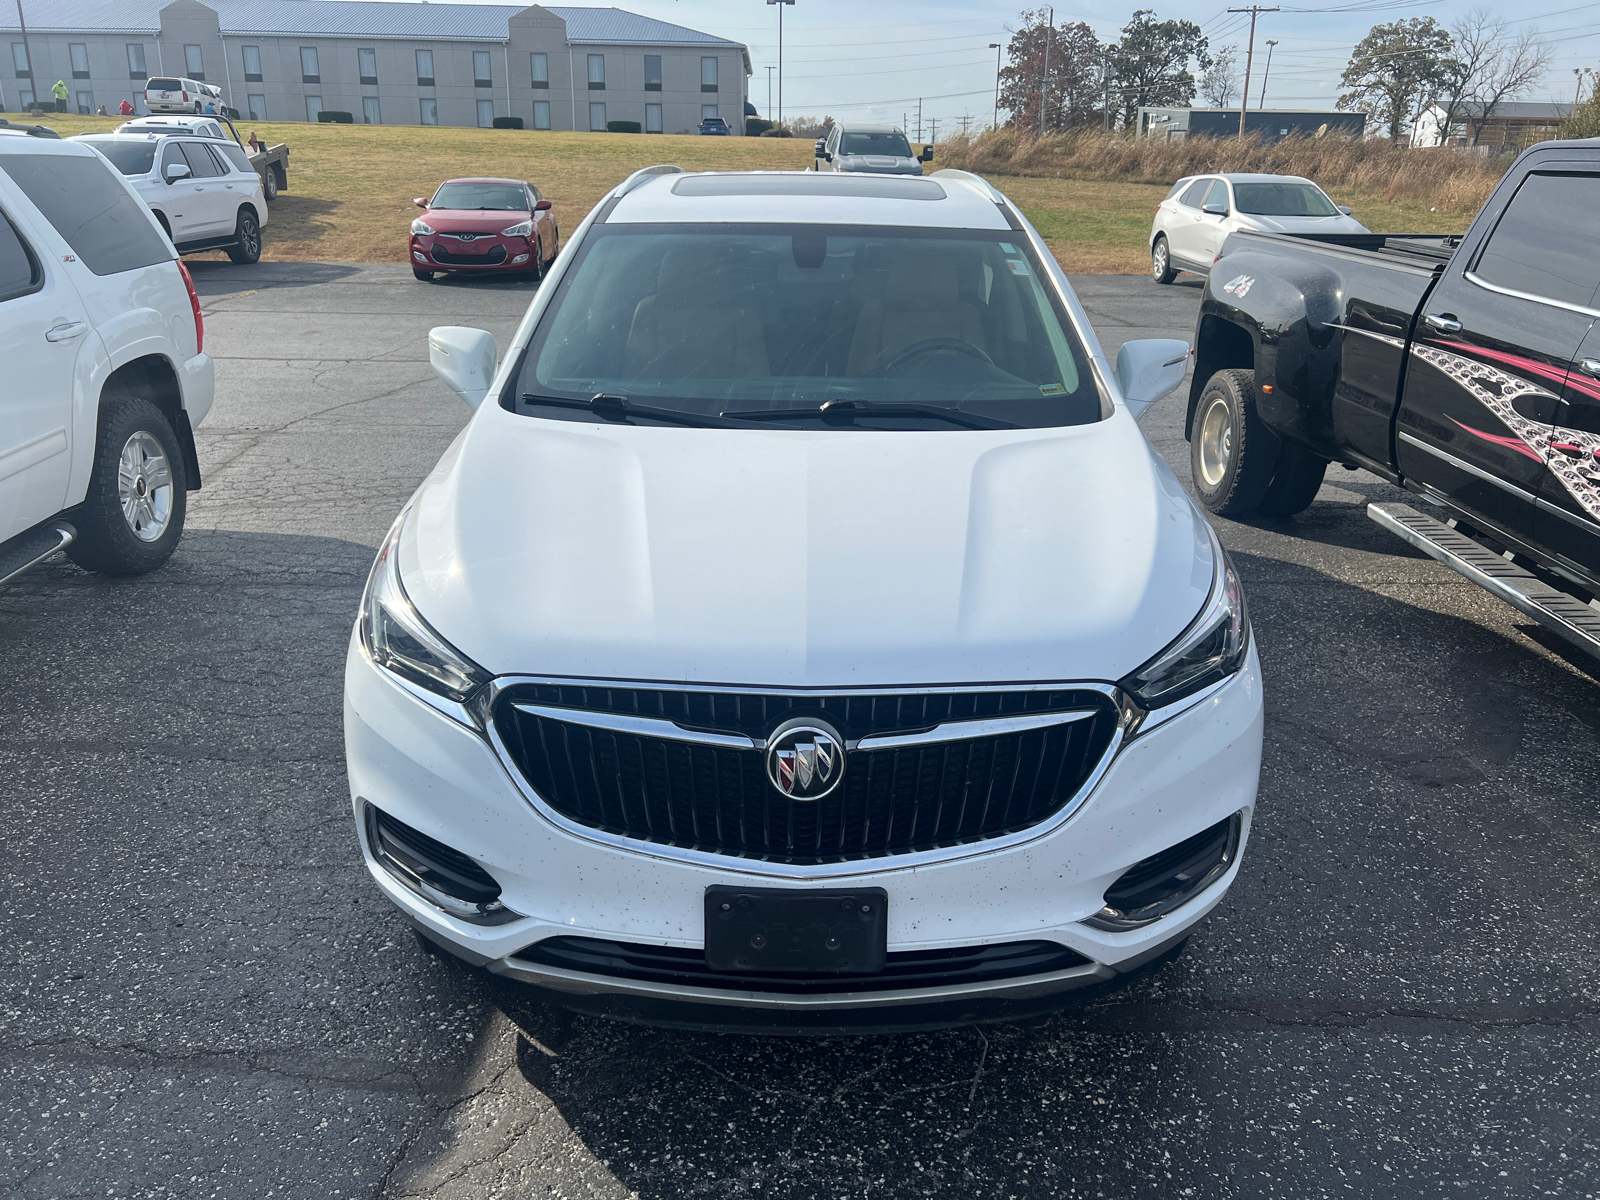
(399, 640)
(1211, 649)
(421, 226)
(525, 229)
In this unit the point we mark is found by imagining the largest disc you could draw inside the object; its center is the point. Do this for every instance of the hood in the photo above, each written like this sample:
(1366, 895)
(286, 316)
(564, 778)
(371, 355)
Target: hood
(882, 163)
(1339, 224)
(805, 559)
(472, 220)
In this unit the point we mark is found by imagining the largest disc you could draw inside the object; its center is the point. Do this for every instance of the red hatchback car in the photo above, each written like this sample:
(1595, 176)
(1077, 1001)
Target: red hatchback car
(484, 225)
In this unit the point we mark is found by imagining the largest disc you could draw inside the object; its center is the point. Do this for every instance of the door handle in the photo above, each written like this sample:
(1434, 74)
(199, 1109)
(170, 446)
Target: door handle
(66, 332)
(1443, 323)
(1590, 367)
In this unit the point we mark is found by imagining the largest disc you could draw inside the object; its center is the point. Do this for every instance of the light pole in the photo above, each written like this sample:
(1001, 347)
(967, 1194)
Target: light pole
(27, 53)
(769, 92)
(1044, 83)
(995, 46)
(1271, 42)
(780, 4)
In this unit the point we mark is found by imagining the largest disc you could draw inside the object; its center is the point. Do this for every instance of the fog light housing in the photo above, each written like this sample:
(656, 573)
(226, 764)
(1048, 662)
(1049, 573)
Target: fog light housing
(446, 878)
(1149, 890)
(419, 256)
(521, 258)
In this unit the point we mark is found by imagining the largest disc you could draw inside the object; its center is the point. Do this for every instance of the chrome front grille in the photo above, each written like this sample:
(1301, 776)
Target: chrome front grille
(704, 785)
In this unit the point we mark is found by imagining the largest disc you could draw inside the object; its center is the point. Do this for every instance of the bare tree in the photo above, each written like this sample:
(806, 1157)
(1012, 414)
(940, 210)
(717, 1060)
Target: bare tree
(1220, 80)
(1519, 64)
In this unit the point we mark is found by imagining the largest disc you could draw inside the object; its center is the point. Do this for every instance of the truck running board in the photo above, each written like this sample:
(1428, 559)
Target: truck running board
(31, 548)
(1558, 612)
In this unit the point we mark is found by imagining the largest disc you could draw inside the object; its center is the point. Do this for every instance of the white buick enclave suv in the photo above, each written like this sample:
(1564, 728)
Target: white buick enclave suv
(802, 634)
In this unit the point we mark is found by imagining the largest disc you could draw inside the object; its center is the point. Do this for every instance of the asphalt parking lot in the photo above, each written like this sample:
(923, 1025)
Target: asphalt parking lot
(202, 994)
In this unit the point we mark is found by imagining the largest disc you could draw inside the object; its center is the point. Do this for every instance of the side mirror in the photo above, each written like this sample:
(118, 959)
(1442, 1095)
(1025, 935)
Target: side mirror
(542, 206)
(926, 155)
(1215, 210)
(176, 171)
(822, 147)
(1150, 369)
(464, 359)
(421, 202)
(1344, 208)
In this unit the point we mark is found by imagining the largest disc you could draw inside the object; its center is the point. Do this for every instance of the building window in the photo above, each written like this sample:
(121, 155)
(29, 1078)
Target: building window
(24, 99)
(19, 59)
(541, 112)
(430, 107)
(707, 111)
(597, 117)
(597, 72)
(252, 65)
(85, 103)
(369, 110)
(539, 68)
(313, 107)
(257, 106)
(136, 61)
(80, 60)
(485, 114)
(652, 118)
(708, 74)
(192, 61)
(425, 75)
(482, 72)
(367, 62)
(309, 72)
(652, 72)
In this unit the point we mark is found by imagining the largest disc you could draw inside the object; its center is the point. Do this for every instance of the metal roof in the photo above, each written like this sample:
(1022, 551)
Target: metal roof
(355, 18)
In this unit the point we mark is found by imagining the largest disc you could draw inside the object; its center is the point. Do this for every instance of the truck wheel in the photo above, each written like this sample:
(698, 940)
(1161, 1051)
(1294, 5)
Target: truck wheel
(247, 233)
(269, 184)
(1232, 454)
(1294, 483)
(132, 517)
(1161, 262)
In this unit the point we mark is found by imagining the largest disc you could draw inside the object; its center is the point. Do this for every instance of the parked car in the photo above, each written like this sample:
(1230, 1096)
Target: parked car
(107, 375)
(269, 162)
(869, 149)
(204, 192)
(484, 225)
(1200, 212)
(802, 632)
(1465, 369)
(176, 95)
(715, 127)
(210, 127)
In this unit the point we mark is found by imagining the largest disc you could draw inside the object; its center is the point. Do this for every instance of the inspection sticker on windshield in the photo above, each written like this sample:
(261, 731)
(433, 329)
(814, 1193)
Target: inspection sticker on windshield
(1008, 247)
(1052, 389)
(1239, 285)
(1018, 267)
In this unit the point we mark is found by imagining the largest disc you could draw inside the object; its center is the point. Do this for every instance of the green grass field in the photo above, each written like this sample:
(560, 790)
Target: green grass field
(351, 186)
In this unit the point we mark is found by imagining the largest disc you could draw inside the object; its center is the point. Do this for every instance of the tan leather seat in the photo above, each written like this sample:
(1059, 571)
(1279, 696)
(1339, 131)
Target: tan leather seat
(922, 301)
(692, 328)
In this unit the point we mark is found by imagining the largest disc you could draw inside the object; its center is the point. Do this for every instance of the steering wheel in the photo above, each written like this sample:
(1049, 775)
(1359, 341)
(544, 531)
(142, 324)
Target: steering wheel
(932, 345)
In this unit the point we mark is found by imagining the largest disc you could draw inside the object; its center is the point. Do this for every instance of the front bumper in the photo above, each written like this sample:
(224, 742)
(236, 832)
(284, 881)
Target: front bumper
(437, 253)
(1179, 776)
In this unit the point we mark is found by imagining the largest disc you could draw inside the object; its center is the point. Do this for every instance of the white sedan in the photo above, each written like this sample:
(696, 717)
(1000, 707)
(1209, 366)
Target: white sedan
(1200, 211)
(802, 632)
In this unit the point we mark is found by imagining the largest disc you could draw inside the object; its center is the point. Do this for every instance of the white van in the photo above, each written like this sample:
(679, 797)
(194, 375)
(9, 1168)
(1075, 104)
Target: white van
(174, 95)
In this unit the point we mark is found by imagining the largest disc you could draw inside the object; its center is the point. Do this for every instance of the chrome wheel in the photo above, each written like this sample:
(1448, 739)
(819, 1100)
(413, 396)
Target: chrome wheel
(1216, 442)
(1158, 260)
(144, 486)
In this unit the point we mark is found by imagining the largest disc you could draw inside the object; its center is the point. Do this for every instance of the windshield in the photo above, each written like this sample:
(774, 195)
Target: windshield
(875, 143)
(1282, 200)
(131, 158)
(738, 318)
(497, 197)
(164, 85)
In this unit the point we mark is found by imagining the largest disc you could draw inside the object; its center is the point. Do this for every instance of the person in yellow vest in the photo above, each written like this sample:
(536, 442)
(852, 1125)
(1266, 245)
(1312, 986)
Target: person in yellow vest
(60, 90)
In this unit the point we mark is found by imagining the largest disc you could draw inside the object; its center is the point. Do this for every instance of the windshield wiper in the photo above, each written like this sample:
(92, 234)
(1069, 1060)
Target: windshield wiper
(848, 410)
(621, 410)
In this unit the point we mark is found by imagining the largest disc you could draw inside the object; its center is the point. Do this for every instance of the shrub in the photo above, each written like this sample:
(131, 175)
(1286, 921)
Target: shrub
(508, 122)
(623, 127)
(779, 132)
(329, 116)
(1585, 120)
(755, 126)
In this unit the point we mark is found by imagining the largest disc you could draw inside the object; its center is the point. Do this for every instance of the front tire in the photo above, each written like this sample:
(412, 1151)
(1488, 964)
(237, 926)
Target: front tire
(1161, 261)
(1232, 453)
(247, 232)
(132, 517)
(1295, 481)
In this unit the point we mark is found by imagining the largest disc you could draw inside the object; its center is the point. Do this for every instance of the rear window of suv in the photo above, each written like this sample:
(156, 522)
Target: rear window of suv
(107, 227)
(163, 85)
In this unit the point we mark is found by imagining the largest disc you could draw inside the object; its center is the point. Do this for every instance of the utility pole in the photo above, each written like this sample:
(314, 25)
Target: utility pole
(1255, 10)
(933, 131)
(27, 51)
(919, 118)
(780, 4)
(769, 93)
(995, 46)
(964, 120)
(1271, 42)
(1044, 84)
(1105, 74)
(1577, 94)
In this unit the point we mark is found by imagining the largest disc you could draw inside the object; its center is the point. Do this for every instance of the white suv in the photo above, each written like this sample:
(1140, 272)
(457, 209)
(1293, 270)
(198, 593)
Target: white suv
(178, 95)
(106, 377)
(204, 191)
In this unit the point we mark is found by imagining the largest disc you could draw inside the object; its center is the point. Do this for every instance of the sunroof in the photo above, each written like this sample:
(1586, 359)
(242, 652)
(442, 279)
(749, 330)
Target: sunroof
(803, 183)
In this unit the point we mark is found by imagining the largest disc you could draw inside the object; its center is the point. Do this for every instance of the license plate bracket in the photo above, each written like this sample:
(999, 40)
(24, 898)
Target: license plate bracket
(815, 931)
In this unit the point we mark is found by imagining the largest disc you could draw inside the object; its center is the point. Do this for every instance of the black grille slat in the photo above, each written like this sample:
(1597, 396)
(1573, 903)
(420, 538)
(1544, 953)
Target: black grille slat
(717, 799)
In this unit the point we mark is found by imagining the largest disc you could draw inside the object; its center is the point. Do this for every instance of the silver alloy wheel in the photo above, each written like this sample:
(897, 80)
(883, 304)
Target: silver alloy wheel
(144, 486)
(1216, 442)
(1158, 259)
(250, 236)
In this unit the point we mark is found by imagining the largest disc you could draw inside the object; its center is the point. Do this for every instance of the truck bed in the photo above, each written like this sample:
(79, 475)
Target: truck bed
(1430, 249)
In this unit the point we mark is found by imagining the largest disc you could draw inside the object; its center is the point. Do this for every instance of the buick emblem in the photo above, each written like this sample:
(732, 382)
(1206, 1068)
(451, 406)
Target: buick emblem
(805, 758)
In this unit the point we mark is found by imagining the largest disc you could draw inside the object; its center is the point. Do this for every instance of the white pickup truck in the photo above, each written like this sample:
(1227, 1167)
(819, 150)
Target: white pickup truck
(106, 375)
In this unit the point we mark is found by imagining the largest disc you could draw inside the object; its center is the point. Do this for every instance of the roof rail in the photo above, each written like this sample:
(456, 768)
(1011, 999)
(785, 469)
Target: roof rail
(644, 173)
(978, 181)
(38, 131)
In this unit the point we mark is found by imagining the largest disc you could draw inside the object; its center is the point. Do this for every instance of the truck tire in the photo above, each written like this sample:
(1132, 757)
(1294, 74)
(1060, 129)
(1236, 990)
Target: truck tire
(1161, 261)
(132, 517)
(269, 184)
(1232, 453)
(247, 234)
(1295, 482)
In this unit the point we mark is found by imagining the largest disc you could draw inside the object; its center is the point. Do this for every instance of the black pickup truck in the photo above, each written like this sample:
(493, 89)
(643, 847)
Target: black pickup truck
(1465, 369)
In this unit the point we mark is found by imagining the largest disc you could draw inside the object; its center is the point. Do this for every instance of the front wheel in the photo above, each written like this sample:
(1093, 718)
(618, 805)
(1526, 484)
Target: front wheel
(247, 238)
(1232, 453)
(1161, 262)
(1296, 479)
(132, 516)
